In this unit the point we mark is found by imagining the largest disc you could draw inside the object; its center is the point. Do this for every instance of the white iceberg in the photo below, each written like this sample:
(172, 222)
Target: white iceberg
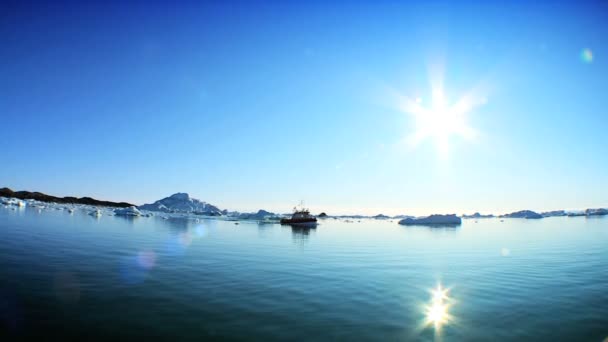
(260, 215)
(13, 201)
(130, 211)
(96, 213)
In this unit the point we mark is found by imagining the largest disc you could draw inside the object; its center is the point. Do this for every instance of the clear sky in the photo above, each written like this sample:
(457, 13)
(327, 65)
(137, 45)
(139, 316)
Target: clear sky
(347, 106)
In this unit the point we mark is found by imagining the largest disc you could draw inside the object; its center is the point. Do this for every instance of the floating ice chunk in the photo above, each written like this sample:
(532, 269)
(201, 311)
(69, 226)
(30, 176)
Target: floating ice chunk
(432, 220)
(131, 211)
(527, 214)
(596, 212)
(96, 213)
(260, 215)
(13, 201)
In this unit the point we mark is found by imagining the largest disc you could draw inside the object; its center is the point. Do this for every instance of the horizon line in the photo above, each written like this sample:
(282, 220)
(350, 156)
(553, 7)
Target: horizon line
(391, 212)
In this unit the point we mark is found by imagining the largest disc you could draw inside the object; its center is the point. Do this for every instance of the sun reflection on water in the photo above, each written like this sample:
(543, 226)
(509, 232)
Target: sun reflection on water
(437, 310)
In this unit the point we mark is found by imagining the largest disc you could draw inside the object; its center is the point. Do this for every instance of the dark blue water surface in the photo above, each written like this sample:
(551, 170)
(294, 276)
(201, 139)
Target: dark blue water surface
(77, 276)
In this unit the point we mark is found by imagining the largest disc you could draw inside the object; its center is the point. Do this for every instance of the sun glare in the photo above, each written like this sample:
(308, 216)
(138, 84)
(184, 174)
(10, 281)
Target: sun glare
(440, 122)
(437, 310)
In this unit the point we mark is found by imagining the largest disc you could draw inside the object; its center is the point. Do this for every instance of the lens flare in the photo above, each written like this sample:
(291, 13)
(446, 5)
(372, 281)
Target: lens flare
(146, 259)
(185, 239)
(131, 272)
(587, 55)
(201, 231)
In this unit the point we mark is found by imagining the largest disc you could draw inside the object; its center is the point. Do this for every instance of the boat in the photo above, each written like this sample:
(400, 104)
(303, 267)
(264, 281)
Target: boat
(300, 218)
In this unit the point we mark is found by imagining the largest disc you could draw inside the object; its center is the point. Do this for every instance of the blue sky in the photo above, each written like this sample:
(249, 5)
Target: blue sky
(260, 105)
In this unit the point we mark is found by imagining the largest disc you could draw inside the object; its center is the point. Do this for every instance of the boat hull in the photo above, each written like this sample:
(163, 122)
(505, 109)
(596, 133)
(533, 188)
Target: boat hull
(300, 223)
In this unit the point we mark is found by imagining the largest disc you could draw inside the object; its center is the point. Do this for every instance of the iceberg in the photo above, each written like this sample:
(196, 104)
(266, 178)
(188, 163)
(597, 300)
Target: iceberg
(477, 215)
(527, 214)
(260, 215)
(131, 211)
(96, 213)
(596, 212)
(13, 201)
(553, 213)
(436, 219)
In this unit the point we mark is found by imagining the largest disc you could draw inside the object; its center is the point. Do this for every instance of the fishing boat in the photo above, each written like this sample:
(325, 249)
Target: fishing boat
(300, 218)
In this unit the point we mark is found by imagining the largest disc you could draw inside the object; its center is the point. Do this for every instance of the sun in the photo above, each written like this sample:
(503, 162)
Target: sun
(440, 122)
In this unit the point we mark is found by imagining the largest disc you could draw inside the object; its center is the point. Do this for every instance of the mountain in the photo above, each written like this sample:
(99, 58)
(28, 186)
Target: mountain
(182, 203)
(39, 196)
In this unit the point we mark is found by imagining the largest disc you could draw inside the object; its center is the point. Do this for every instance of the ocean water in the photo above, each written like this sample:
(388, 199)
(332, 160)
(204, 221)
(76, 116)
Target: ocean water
(75, 276)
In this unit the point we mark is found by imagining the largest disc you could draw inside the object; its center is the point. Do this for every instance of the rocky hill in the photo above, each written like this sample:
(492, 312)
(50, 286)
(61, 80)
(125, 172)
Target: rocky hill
(39, 196)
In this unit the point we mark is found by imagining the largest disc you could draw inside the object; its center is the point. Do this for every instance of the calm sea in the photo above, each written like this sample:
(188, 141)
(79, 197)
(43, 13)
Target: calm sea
(76, 276)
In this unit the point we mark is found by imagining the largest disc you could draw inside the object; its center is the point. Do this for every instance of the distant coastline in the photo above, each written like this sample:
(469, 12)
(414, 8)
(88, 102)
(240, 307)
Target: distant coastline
(38, 196)
(182, 202)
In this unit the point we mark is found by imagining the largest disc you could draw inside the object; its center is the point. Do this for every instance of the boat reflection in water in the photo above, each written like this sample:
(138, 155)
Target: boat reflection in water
(300, 234)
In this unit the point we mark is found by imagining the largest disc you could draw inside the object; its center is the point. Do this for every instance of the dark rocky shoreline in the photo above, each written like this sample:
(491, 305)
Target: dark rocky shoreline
(38, 196)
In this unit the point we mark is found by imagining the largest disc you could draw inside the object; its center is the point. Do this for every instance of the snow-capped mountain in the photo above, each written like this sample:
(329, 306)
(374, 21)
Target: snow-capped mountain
(182, 202)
